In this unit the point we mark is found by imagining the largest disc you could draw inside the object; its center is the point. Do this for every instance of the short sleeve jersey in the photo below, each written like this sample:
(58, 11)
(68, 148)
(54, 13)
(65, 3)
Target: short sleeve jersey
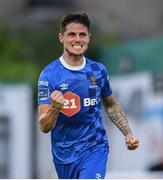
(79, 124)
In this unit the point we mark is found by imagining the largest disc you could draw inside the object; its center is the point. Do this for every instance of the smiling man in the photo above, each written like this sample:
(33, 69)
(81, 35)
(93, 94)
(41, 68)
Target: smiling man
(70, 92)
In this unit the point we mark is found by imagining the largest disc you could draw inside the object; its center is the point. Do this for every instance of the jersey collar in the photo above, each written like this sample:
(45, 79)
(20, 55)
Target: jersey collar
(73, 68)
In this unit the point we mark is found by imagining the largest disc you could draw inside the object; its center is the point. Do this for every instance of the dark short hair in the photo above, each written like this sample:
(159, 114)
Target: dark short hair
(77, 17)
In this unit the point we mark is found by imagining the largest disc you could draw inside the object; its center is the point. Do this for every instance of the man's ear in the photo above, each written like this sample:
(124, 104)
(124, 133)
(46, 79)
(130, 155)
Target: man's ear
(60, 36)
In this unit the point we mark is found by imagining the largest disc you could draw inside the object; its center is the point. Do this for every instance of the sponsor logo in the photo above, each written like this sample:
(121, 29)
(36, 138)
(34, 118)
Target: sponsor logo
(63, 86)
(90, 102)
(43, 94)
(98, 176)
(72, 103)
(43, 83)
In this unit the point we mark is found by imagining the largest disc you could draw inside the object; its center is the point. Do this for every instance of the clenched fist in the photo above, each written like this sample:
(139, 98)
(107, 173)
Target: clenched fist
(57, 99)
(131, 142)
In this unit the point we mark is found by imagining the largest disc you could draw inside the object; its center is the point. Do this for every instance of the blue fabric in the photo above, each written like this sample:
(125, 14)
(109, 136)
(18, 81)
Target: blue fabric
(79, 125)
(91, 166)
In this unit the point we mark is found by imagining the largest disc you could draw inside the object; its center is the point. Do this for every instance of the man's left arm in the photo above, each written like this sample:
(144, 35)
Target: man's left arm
(117, 116)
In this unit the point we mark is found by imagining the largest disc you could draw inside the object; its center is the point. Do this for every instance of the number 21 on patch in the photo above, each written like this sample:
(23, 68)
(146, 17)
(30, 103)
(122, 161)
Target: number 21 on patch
(71, 105)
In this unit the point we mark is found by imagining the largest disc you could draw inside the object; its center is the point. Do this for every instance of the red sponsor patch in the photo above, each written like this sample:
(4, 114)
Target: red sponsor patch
(71, 105)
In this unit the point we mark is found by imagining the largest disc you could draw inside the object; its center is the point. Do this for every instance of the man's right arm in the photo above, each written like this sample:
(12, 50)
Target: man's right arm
(48, 113)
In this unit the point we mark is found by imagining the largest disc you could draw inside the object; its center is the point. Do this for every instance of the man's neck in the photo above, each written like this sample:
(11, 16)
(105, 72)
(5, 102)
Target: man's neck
(72, 67)
(73, 60)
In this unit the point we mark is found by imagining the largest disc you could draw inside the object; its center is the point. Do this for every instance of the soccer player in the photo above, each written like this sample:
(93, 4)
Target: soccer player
(70, 92)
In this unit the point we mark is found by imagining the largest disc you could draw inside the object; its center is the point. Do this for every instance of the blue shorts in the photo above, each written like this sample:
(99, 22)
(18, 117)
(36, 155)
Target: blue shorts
(90, 166)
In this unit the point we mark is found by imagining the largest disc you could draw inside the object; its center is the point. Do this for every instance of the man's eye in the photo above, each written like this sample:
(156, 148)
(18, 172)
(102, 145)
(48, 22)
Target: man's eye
(71, 34)
(83, 34)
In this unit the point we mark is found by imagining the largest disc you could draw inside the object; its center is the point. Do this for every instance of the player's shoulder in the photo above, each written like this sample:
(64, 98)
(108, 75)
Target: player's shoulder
(95, 64)
(51, 67)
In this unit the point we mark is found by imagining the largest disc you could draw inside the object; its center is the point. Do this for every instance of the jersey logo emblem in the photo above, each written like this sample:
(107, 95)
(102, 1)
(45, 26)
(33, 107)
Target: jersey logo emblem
(98, 176)
(71, 105)
(93, 81)
(63, 86)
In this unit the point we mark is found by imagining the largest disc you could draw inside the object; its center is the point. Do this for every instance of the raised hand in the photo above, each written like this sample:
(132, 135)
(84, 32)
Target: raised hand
(57, 100)
(131, 142)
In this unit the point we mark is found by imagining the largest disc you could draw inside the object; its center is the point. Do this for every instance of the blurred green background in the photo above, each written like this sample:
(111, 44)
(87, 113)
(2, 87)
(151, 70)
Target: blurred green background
(126, 36)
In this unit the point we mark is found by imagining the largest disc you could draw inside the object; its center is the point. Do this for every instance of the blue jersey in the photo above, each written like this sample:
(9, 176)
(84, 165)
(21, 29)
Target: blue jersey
(79, 124)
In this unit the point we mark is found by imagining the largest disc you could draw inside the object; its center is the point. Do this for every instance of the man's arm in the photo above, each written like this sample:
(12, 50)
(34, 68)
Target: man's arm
(117, 116)
(48, 113)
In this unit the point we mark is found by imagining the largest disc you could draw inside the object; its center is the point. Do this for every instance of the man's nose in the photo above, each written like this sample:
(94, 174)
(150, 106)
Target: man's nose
(77, 38)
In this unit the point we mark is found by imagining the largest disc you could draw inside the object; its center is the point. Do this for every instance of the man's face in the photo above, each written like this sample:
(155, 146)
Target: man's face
(75, 39)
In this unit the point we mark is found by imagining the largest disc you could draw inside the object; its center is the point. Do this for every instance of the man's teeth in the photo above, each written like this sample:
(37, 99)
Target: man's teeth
(77, 46)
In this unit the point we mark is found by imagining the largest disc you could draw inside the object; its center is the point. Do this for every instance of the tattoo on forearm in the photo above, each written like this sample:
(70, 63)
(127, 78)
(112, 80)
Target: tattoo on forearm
(117, 116)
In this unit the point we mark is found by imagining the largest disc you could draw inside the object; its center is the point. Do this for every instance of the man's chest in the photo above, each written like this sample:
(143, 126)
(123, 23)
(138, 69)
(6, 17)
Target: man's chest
(80, 92)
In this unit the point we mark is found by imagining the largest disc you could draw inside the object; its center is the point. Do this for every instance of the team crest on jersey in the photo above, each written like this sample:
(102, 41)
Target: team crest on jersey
(63, 86)
(71, 105)
(93, 81)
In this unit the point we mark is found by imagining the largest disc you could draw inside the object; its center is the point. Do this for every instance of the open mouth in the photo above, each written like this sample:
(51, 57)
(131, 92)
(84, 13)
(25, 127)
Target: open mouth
(77, 46)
